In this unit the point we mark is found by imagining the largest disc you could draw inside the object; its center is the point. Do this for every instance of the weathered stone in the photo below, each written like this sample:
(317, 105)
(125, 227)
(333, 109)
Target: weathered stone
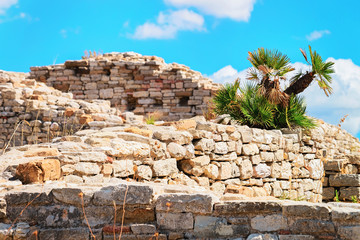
(310, 226)
(306, 210)
(142, 132)
(143, 228)
(269, 223)
(86, 168)
(349, 232)
(267, 156)
(179, 202)
(41, 152)
(176, 151)
(175, 221)
(129, 149)
(225, 171)
(72, 195)
(316, 169)
(257, 236)
(143, 172)
(123, 168)
(205, 145)
(234, 208)
(262, 171)
(221, 148)
(180, 137)
(250, 149)
(68, 233)
(135, 194)
(165, 167)
(211, 171)
(345, 180)
(246, 169)
(349, 193)
(39, 171)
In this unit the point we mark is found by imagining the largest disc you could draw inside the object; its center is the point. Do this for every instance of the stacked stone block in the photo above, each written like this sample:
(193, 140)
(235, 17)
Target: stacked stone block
(142, 84)
(153, 212)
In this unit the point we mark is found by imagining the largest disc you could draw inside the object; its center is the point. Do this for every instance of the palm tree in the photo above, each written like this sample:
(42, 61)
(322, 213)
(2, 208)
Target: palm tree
(320, 71)
(269, 67)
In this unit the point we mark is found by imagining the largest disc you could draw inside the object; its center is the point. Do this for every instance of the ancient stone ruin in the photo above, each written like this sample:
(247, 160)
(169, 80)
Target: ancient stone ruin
(132, 82)
(76, 166)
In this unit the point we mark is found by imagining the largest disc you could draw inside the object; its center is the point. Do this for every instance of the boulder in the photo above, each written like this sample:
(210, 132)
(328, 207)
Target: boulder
(39, 171)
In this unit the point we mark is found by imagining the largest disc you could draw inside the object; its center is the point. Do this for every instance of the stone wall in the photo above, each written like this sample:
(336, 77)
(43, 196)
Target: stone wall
(142, 84)
(233, 161)
(31, 112)
(157, 212)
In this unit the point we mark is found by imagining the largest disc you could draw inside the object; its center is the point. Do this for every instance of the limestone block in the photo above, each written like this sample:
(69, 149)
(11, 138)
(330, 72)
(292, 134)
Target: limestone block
(185, 124)
(246, 134)
(211, 171)
(250, 149)
(275, 170)
(123, 168)
(221, 148)
(344, 180)
(207, 126)
(258, 236)
(345, 215)
(306, 210)
(144, 172)
(262, 171)
(246, 169)
(87, 168)
(143, 228)
(180, 137)
(71, 195)
(129, 149)
(180, 202)
(176, 151)
(225, 171)
(135, 130)
(39, 171)
(165, 167)
(267, 156)
(106, 93)
(349, 232)
(136, 194)
(200, 161)
(175, 221)
(285, 170)
(41, 152)
(269, 223)
(316, 169)
(205, 145)
(349, 192)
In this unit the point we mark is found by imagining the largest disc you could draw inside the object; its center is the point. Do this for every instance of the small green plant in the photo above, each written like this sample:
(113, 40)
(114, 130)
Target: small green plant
(151, 118)
(336, 198)
(354, 199)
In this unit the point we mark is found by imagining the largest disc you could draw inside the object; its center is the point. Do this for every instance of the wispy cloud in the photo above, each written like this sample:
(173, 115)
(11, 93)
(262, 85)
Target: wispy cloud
(169, 24)
(66, 31)
(238, 10)
(317, 34)
(5, 4)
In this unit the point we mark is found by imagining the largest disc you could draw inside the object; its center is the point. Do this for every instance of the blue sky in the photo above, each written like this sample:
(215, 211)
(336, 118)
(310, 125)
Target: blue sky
(210, 36)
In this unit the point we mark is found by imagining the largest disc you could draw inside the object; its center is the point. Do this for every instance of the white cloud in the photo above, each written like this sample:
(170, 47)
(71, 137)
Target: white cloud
(228, 74)
(168, 24)
(317, 34)
(344, 100)
(5, 4)
(238, 10)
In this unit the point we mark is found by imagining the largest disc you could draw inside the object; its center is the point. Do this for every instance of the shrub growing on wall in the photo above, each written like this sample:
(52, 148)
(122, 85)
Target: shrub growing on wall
(265, 104)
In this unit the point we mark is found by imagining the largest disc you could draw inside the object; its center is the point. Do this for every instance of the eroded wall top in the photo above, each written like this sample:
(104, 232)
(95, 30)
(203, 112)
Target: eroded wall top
(132, 82)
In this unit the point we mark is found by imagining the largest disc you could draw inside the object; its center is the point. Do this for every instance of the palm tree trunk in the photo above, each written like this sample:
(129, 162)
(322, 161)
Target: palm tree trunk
(301, 84)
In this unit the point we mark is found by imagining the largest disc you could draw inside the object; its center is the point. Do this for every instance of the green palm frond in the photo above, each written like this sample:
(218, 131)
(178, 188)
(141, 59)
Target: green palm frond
(323, 71)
